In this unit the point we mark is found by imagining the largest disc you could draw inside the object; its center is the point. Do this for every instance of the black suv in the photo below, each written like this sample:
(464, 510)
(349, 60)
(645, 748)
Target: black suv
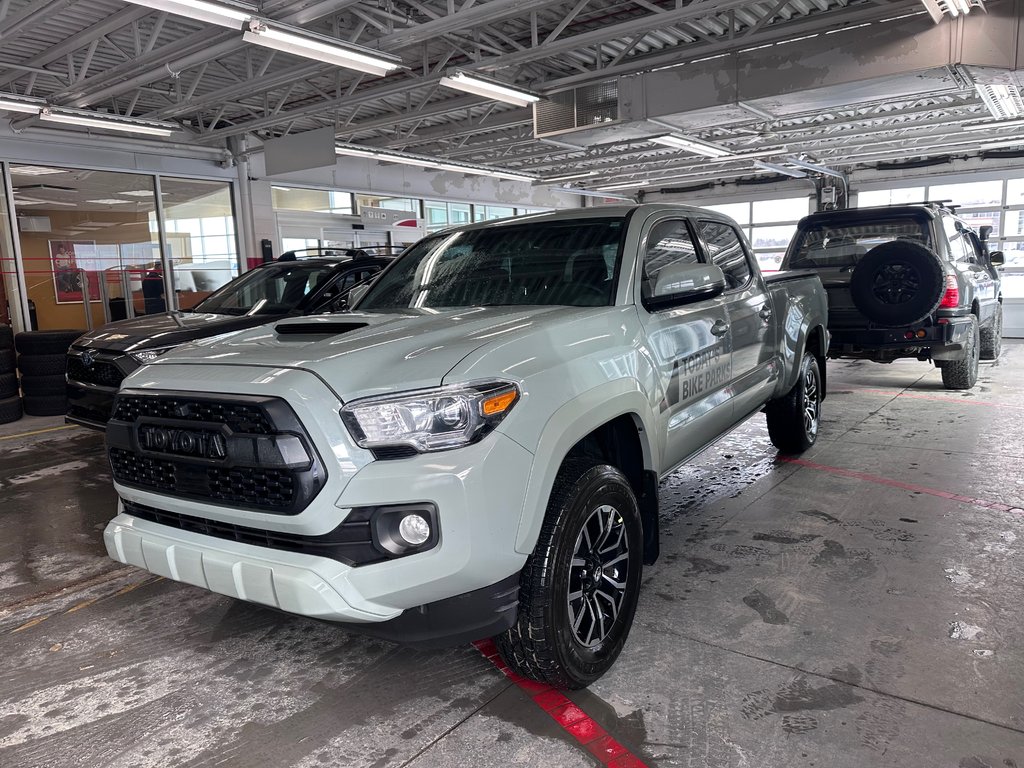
(905, 281)
(99, 360)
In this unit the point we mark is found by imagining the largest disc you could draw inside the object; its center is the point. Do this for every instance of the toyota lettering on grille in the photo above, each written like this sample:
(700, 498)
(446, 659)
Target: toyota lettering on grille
(182, 442)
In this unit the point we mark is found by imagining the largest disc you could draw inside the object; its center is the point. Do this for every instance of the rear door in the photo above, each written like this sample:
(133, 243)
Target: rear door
(970, 263)
(749, 311)
(689, 347)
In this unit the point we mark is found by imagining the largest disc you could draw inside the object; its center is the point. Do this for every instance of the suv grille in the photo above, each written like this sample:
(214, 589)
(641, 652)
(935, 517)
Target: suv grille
(100, 372)
(237, 451)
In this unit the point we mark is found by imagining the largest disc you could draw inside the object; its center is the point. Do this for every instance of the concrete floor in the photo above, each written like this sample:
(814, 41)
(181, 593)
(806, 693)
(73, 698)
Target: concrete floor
(801, 615)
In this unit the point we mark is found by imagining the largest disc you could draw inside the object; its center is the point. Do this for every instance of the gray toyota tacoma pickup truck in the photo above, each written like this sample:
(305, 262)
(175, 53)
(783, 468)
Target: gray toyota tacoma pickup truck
(475, 450)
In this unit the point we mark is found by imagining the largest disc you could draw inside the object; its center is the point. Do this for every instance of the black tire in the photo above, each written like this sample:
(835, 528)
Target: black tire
(898, 283)
(795, 418)
(45, 342)
(543, 644)
(8, 385)
(42, 365)
(992, 337)
(43, 386)
(10, 409)
(6, 337)
(7, 361)
(963, 374)
(45, 405)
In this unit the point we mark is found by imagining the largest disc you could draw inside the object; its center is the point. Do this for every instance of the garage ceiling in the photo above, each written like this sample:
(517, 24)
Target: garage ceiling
(593, 60)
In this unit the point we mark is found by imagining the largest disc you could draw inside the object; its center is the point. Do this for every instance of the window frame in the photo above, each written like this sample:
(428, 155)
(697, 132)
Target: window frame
(709, 259)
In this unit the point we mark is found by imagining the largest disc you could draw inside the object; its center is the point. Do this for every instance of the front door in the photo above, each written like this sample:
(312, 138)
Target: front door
(689, 347)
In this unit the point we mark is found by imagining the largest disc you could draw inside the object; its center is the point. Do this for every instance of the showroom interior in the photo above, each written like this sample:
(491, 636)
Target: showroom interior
(854, 604)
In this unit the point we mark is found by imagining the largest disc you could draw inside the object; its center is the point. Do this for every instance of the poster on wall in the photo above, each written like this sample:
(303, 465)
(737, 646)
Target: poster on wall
(67, 259)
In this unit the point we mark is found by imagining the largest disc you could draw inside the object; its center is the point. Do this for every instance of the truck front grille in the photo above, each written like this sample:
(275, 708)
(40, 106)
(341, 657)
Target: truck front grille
(238, 451)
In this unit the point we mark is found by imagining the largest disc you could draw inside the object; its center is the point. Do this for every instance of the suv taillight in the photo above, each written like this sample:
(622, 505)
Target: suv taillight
(951, 298)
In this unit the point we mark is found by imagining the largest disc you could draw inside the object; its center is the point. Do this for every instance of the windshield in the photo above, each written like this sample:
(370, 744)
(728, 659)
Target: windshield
(834, 246)
(274, 290)
(569, 262)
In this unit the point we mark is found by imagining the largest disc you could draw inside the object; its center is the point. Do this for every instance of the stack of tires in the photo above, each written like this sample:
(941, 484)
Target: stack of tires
(10, 400)
(42, 361)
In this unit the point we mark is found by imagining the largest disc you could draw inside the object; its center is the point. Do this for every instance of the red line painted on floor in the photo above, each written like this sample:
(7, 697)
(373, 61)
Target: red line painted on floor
(983, 503)
(938, 398)
(591, 736)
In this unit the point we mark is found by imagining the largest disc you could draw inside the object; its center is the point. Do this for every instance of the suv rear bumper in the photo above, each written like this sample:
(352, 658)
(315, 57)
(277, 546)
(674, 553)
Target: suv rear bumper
(945, 340)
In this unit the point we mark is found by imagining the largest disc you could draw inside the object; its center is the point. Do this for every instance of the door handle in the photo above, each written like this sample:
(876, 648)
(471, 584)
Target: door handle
(765, 313)
(720, 328)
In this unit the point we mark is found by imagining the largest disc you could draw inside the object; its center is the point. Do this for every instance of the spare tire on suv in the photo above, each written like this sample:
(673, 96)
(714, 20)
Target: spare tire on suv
(898, 283)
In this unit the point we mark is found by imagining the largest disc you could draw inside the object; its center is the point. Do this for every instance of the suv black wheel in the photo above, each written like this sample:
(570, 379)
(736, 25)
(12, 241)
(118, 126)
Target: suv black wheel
(794, 418)
(579, 589)
(992, 337)
(963, 374)
(898, 283)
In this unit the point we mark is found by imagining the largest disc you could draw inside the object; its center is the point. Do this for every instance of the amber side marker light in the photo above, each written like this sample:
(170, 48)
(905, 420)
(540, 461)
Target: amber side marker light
(498, 403)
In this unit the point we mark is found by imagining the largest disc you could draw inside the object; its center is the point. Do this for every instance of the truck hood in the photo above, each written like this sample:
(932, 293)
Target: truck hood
(164, 330)
(362, 354)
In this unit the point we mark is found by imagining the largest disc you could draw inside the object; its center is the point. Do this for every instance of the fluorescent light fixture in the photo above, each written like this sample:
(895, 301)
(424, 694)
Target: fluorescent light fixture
(35, 170)
(89, 119)
(567, 177)
(625, 185)
(1002, 100)
(993, 125)
(387, 156)
(592, 193)
(491, 89)
(232, 15)
(26, 104)
(138, 193)
(300, 42)
(1019, 142)
(780, 169)
(939, 8)
(110, 201)
(691, 145)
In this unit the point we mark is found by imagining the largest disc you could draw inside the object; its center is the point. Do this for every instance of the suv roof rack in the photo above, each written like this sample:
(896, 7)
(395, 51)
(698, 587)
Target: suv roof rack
(367, 252)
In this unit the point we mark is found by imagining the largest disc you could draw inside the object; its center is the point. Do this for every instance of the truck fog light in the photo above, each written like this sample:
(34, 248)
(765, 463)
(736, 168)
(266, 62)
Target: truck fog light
(414, 529)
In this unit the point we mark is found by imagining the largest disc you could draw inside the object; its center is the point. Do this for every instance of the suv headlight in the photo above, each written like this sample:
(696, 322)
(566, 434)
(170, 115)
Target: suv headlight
(144, 356)
(431, 419)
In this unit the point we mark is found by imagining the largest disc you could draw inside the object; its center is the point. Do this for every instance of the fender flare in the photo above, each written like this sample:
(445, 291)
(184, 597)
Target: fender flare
(566, 427)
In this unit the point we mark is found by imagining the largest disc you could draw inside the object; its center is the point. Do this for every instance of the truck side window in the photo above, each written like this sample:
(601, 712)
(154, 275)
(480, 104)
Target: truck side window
(960, 246)
(668, 243)
(726, 251)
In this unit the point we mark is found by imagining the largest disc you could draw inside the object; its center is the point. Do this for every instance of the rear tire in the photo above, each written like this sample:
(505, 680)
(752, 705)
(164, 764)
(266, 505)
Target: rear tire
(992, 337)
(963, 374)
(579, 589)
(795, 418)
(898, 283)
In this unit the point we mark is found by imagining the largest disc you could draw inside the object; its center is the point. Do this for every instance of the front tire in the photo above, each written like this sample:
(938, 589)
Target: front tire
(992, 337)
(963, 374)
(794, 418)
(579, 589)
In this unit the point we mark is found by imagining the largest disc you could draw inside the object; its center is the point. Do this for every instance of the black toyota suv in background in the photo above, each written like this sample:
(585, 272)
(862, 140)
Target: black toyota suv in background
(99, 360)
(905, 281)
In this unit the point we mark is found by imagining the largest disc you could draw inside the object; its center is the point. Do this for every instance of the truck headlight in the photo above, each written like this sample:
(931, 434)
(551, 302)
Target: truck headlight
(145, 356)
(430, 419)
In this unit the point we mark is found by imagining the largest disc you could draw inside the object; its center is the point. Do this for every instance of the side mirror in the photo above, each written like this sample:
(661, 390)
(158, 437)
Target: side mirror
(679, 284)
(997, 258)
(356, 294)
